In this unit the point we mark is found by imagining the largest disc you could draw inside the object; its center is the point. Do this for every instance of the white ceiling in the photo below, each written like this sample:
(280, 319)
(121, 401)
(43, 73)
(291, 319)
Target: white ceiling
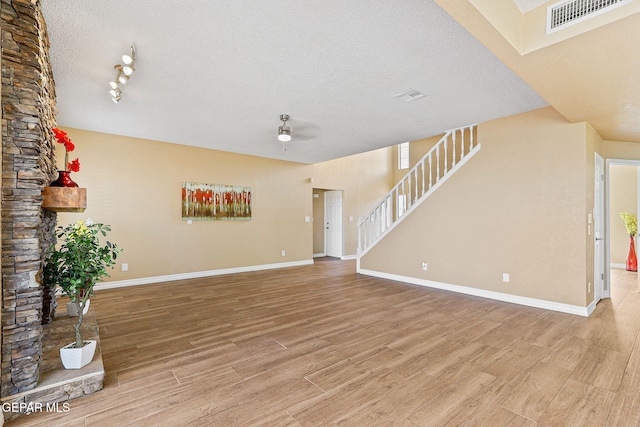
(219, 74)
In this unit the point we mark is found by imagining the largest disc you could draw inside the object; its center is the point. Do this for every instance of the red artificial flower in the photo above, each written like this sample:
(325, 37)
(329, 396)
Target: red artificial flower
(74, 165)
(63, 138)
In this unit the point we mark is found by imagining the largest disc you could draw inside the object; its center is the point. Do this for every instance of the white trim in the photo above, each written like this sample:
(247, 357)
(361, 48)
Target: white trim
(620, 266)
(591, 307)
(499, 296)
(348, 257)
(319, 255)
(197, 274)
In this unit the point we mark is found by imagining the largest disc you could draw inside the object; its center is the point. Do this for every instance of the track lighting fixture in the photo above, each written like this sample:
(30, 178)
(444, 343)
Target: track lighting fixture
(122, 75)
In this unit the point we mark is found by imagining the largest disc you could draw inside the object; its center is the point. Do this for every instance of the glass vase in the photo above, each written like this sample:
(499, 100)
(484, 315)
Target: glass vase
(64, 180)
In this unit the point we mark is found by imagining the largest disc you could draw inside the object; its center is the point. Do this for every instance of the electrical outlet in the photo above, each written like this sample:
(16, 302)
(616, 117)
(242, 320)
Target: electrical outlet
(284, 253)
(424, 265)
(125, 267)
(505, 277)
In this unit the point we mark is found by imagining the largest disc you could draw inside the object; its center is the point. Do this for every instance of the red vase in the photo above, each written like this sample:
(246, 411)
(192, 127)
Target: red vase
(64, 180)
(632, 260)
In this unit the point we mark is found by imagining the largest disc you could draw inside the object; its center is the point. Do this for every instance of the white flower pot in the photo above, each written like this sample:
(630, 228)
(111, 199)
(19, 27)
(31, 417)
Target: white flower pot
(72, 311)
(76, 358)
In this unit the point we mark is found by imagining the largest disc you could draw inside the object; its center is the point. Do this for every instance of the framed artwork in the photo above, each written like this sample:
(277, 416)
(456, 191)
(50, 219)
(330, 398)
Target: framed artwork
(215, 202)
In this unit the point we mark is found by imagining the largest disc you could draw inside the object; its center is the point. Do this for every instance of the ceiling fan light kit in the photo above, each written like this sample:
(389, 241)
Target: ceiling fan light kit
(284, 131)
(124, 71)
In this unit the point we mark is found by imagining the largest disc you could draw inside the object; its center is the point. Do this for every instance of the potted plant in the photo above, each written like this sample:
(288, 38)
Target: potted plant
(76, 265)
(631, 223)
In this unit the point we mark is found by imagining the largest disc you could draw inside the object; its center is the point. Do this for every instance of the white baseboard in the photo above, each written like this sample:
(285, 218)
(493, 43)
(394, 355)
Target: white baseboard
(591, 307)
(620, 266)
(348, 257)
(197, 274)
(320, 255)
(499, 296)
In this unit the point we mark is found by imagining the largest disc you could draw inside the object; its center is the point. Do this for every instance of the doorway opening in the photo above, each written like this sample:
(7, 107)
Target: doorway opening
(623, 187)
(327, 225)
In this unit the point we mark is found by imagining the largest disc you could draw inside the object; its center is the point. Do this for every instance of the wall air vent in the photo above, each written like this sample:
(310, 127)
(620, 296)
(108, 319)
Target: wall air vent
(566, 13)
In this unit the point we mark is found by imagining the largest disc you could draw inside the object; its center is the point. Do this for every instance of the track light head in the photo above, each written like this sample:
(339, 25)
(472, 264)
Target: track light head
(128, 59)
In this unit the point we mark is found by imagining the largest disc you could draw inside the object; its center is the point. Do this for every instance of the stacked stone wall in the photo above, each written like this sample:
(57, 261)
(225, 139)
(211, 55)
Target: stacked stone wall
(28, 165)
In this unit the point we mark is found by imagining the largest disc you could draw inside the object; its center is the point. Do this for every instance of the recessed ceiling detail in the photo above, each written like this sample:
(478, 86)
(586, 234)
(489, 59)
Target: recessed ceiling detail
(566, 13)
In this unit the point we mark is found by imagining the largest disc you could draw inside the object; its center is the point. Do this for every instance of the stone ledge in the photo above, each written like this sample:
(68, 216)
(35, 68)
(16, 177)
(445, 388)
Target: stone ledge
(56, 384)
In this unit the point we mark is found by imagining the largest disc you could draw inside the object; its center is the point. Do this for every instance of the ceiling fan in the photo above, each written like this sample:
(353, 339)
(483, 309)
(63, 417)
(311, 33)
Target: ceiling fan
(303, 131)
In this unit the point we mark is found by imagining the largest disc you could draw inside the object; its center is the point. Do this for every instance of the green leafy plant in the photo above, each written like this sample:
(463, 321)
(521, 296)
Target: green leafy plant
(631, 222)
(78, 263)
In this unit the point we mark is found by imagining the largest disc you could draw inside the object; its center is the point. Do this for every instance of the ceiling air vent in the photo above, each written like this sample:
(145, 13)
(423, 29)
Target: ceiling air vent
(409, 95)
(566, 13)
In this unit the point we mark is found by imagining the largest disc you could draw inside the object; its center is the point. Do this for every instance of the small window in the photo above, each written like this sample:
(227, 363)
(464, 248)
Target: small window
(403, 155)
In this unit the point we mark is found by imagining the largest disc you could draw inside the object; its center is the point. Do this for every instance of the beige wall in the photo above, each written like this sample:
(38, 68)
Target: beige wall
(135, 184)
(623, 197)
(517, 207)
(622, 150)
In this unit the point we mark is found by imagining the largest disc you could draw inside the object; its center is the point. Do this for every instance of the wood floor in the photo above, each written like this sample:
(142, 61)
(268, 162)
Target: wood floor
(320, 345)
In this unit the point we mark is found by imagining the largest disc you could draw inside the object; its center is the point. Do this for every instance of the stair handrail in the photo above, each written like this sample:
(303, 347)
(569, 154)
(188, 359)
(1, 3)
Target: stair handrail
(422, 179)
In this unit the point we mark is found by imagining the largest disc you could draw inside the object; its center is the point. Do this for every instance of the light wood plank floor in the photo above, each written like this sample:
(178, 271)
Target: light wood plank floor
(320, 345)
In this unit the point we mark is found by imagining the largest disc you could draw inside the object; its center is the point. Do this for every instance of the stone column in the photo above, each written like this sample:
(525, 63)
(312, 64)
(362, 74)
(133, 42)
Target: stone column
(28, 164)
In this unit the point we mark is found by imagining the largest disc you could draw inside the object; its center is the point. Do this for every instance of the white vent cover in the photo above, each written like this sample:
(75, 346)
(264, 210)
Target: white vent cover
(409, 95)
(568, 12)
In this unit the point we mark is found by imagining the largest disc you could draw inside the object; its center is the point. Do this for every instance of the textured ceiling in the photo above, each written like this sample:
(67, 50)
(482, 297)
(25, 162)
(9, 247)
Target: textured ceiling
(219, 74)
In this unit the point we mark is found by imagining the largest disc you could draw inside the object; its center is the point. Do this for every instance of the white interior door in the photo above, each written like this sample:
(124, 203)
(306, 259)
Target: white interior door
(598, 232)
(333, 223)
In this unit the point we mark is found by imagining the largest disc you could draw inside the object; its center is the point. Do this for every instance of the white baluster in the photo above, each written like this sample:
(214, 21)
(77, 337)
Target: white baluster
(430, 170)
(437, 163)
(453, 157)
(446, 158)
(471, 139)
(423, 188)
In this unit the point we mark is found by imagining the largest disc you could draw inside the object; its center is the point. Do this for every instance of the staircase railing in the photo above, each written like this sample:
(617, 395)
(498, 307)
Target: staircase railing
(449, 154)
